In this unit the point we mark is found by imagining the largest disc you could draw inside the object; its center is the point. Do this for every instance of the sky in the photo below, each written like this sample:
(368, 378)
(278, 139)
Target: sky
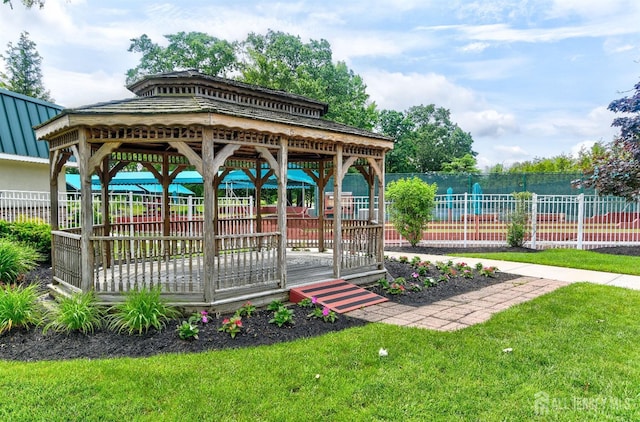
(527, 78)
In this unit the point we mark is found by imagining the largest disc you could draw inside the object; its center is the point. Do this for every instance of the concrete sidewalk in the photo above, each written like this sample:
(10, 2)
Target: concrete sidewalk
(568, 275)
(478, 306)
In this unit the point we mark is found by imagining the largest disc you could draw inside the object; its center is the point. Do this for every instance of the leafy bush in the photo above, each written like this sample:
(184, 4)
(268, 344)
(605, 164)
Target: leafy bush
(19, 307)
(411, 202)
(79, 312)
(141, 310)
(34, 233)
(189, 329)
(15, 260)
(517, 227)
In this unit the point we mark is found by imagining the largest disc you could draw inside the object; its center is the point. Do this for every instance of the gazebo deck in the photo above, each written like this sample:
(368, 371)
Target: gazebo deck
(303, 267)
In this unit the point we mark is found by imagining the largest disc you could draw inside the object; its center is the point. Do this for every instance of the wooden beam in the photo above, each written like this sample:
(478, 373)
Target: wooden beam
(270, 159)
(104, 151)
(222, 156)
(187, 151)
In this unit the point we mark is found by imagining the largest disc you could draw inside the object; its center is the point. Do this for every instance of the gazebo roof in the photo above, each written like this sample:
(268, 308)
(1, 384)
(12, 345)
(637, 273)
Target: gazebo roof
(190, 96)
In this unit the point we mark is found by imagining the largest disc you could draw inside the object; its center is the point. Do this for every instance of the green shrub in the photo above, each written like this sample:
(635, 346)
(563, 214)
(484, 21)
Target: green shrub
(79, 312)
(411, 202)
(517, 227)
(282, 316)
(19, 307)
(35, 234)
(15, 260)
(141, 310)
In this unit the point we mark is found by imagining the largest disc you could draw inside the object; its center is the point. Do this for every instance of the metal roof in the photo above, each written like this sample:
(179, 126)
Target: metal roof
(18, 115)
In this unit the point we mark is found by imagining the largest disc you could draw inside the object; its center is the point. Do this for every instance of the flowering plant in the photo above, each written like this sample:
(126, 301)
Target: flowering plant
(282, 316)
(204, 316)
(246, 310)
(326, 314)
(189, 329)
(396, 288)
(231, 325)
(305, 303)
(488, 271)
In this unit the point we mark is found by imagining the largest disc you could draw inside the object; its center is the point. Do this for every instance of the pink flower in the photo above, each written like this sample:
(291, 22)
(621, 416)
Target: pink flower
(314, 300)
(225, 321)
(325, 311)
(239, 323)
(414, 275)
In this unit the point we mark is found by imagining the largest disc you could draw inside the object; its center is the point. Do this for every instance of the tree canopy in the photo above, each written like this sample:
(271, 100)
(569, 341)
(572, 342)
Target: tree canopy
(186, 50)
(27, 3)
(23, 69)
(616, 170)
(426, 139)
(275, 60)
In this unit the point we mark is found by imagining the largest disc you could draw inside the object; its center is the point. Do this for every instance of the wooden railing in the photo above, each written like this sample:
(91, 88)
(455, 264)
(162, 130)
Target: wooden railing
(246, 260)
(66, 258)
(123, 263)
(359, 245)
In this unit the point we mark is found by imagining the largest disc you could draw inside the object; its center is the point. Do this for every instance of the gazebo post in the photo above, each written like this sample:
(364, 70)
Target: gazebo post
(209, 223)
(104, 209)
(337, 212)
(258, 185)
(86, 206)
(53, 197)
(322, 184)
(381, 213)
(281, 173)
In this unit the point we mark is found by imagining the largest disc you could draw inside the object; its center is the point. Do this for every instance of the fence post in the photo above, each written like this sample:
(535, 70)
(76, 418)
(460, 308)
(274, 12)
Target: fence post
(534, 219)
(580, 220)
(465, 214)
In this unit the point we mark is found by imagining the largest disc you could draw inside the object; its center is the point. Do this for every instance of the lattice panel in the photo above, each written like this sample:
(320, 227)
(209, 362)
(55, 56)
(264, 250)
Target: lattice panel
(362, 151)
(67, 139)
(312, 145)
(145, 133)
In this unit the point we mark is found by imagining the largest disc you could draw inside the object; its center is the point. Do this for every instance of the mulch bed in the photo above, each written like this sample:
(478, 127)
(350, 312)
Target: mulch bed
(32, 345)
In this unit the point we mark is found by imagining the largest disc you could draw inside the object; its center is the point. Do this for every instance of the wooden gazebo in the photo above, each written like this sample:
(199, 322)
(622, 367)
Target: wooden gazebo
(187, 120)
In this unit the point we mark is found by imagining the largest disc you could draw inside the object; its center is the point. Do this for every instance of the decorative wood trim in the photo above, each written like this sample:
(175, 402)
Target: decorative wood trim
(104, 151)
(270, 159)
(187, 151)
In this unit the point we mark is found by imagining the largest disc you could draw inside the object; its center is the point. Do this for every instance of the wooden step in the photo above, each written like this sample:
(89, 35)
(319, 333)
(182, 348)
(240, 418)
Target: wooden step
(338, 295)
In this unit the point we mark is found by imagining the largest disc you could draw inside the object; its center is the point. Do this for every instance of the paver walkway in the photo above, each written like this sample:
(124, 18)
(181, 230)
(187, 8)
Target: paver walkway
(463, 310)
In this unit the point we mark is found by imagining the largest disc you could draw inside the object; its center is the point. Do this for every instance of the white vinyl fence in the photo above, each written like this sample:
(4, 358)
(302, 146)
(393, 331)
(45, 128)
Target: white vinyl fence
(465, 220)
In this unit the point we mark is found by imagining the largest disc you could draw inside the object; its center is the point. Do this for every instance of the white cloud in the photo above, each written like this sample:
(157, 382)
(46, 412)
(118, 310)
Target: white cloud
(580, 146)
(399, 91)
(487, 123)
(73, 89)
(475, 47)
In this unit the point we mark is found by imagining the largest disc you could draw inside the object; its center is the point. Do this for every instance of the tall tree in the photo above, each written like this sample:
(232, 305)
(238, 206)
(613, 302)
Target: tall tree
(282, 61)
(616, 171)
(426, 139)
(27, 3)
(562, 163)
(186, 50)
(466, 164)
(23, 69)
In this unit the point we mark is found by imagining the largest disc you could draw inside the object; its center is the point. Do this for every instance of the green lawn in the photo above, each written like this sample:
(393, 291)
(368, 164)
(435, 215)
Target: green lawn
(574, 350)
(570, 258)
